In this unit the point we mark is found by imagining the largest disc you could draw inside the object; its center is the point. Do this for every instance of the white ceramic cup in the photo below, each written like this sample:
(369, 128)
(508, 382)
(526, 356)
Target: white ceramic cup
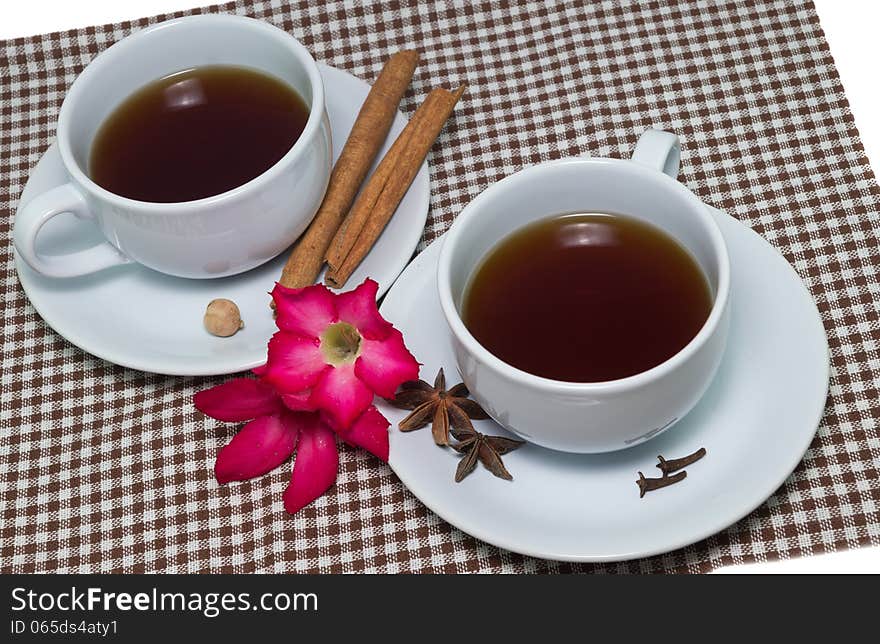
(212, 237)
(602, 416)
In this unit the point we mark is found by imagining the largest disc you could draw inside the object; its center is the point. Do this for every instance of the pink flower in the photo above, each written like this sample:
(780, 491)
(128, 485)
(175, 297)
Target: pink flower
(275, 432)
(333, 353)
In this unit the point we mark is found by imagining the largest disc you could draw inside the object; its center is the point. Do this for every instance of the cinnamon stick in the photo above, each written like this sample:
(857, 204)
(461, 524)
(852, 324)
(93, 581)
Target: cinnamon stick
(353, 223)
(399, 173)
(366, 138)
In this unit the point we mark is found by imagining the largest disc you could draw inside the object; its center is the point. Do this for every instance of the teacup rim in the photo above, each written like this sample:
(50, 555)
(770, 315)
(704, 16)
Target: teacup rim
(458, 328)
(311, 129)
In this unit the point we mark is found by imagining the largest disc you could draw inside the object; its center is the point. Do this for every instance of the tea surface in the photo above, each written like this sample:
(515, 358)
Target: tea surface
(196, 133)
(586, 298)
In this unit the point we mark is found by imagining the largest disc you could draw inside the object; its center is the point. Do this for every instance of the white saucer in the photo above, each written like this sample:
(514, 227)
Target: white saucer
(139, 318)
(756, 421)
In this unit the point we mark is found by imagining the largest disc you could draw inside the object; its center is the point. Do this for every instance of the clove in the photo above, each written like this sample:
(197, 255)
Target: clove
(675, 464)
(648, 485)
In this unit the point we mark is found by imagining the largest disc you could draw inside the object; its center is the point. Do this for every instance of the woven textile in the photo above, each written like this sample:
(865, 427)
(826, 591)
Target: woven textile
(108, 469)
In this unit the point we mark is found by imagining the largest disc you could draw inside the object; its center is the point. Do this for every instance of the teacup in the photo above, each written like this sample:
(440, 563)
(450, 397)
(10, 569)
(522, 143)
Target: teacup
(216, 236)
(601, 416)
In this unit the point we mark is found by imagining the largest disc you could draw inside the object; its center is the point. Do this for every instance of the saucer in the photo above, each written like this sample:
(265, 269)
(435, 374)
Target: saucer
(756, 421)
(138, 318)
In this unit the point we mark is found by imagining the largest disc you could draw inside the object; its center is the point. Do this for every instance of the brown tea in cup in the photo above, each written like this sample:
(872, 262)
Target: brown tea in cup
(196, 133)
(586, 298)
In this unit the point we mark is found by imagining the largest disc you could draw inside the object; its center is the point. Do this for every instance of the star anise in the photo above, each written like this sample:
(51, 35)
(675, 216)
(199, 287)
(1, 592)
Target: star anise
(438, 406)
(487, 449)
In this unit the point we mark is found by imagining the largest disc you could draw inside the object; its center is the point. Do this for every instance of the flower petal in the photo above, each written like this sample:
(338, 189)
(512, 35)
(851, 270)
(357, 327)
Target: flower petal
(358, 308)
(384, 364)
(259, 447)
(370, 431)
(295, 362)
(315, 466)
(237, 400)
(304, 311)
(341, 395)
(299, 401)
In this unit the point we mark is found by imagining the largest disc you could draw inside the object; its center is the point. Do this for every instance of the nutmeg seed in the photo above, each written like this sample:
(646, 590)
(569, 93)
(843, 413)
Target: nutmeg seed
(222, 318)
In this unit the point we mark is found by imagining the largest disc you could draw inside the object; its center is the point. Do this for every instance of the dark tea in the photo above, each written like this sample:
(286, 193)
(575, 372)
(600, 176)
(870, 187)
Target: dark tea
(196, 133)
(586, 298)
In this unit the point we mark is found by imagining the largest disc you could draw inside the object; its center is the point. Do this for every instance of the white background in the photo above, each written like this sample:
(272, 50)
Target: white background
(850, 26)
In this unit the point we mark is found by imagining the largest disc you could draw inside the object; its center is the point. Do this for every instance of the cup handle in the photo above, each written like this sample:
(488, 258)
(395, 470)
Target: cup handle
(34, 214)
(658, 150)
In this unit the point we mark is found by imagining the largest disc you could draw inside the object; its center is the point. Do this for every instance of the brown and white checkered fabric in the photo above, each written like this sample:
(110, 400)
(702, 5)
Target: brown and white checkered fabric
(106, 469)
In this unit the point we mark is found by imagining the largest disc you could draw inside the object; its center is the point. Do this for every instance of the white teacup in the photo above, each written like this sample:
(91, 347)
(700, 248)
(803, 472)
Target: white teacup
(602, 416)
(212, 237)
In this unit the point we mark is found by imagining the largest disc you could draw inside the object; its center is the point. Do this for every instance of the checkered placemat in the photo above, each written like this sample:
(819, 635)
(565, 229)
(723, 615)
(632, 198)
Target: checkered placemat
(107, 469)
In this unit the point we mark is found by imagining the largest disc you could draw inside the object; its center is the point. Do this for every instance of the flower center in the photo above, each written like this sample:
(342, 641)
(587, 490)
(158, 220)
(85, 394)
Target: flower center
(340, 344)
